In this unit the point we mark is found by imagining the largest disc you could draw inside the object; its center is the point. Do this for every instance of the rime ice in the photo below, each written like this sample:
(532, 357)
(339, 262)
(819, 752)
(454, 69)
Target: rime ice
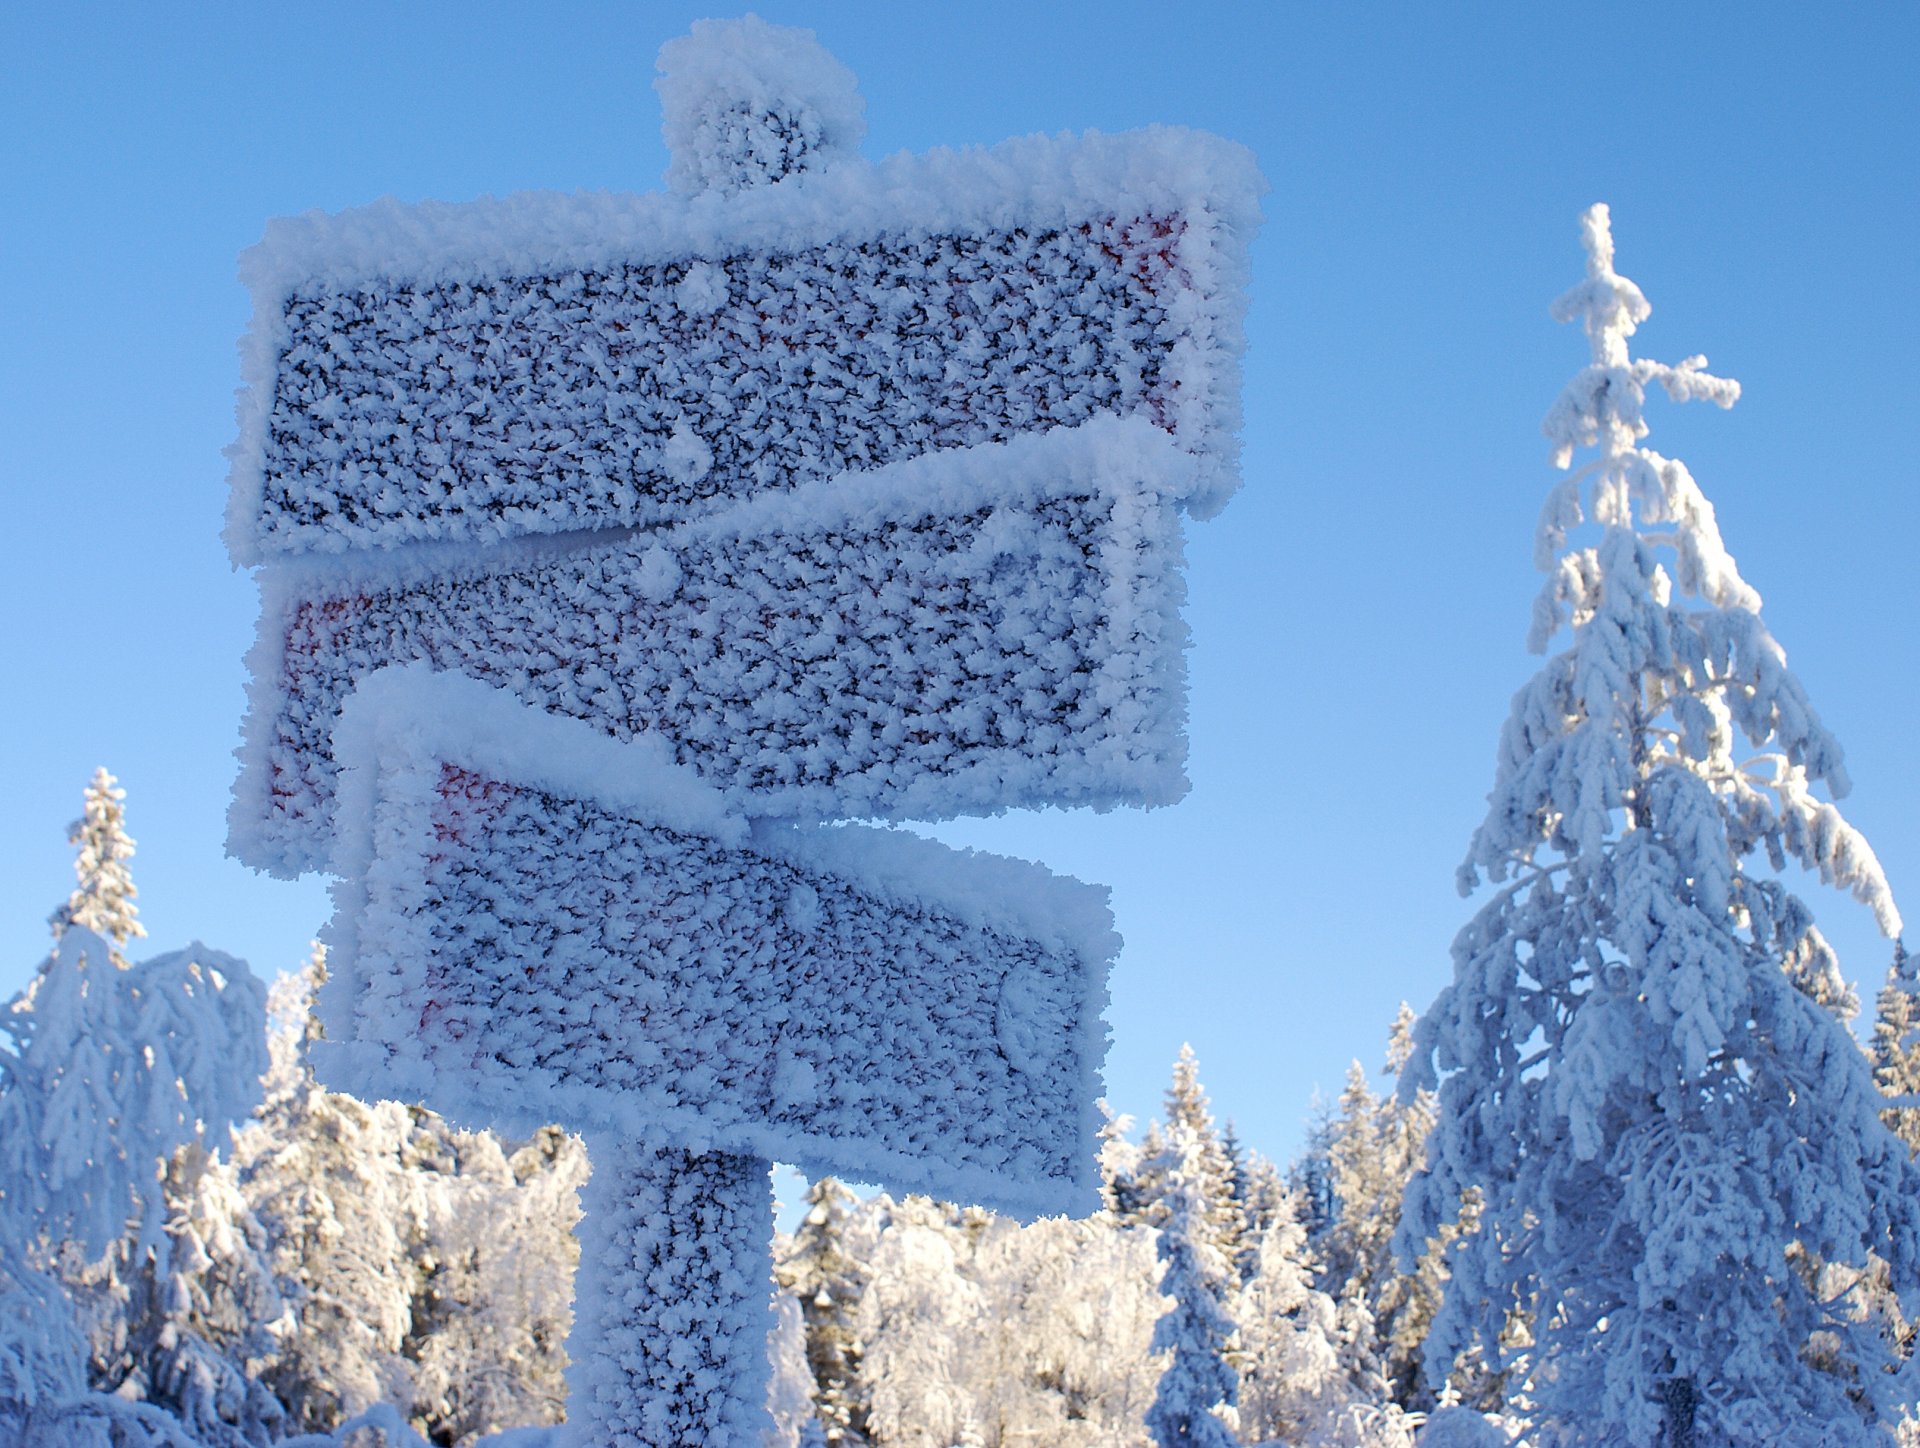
(849, 1000)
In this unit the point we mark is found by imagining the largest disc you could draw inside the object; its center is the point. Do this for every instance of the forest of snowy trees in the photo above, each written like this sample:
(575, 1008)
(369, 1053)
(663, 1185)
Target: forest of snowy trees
(1638, 1180)
(342, 1271)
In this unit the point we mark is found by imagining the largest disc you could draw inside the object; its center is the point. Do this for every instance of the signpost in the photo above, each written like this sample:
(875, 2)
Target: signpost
(605, 543)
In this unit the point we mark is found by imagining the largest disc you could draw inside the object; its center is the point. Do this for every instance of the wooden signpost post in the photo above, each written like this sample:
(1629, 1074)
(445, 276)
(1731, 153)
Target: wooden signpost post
(607, 545)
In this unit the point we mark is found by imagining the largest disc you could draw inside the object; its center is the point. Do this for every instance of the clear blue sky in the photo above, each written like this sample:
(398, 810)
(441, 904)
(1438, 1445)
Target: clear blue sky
(1358, 612)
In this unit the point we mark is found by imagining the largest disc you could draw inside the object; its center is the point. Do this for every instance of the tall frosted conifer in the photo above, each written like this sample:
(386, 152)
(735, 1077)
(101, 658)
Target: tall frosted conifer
(1896, 1044)
(1222, 1216)
(1198, 1383)
(1631, 1063)
(821, 1272)
(102, 900)
(108, 1070)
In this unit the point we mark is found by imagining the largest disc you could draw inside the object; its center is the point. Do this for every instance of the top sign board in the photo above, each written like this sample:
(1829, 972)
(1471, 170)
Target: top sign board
(549, 364)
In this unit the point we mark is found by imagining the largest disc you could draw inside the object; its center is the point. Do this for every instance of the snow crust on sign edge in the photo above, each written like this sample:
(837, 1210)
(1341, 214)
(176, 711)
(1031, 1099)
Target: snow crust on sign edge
(1098, 454)
(1028, 181)
(397, 728)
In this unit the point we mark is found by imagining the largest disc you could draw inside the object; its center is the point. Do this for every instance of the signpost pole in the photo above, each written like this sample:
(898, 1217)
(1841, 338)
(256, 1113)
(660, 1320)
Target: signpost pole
(669, 1341)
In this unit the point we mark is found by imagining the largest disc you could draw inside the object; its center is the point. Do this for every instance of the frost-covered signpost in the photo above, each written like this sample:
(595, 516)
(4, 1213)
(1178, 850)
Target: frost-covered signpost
(810, 491)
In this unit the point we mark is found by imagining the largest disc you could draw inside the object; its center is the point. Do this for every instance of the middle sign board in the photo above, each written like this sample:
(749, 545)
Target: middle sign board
(990, 626)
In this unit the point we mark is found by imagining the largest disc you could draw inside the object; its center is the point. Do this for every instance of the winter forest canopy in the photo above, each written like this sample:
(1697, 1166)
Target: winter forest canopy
(1639, 1182)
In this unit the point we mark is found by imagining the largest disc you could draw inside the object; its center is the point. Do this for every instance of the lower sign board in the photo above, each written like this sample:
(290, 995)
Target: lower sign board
(973, 630)
(518, 942)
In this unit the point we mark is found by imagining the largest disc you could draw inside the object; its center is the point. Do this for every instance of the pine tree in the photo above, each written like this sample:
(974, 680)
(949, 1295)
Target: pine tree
(1188, 1110)
(111, 1072)
(1664, 1125)
(1198, 1387)
(103, 899)
(828, 1280)
(1896, 1045)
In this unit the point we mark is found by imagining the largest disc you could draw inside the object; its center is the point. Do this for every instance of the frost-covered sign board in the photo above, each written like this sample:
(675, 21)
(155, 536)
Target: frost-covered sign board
(950, 634)
(844, 999)
(611, 549)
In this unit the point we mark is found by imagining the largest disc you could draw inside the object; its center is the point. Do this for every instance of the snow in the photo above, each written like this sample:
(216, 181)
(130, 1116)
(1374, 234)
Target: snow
(672, 1299)
(513, 949)
(957, 634)
(746, 103)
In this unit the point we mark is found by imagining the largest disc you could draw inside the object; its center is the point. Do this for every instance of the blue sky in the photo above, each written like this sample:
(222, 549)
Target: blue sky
(1358, 612)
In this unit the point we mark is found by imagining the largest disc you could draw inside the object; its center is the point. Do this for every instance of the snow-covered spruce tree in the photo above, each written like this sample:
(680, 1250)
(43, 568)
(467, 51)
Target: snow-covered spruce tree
(102, 900)
(1665, 1127)
(1187, 1109)
(1896, 1045)
(1198, 1387)
(199, 1323)
(827, 1280)
(107, 1070)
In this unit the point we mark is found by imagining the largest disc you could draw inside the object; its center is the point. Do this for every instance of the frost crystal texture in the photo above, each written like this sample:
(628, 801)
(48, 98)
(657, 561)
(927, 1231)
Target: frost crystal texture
(544, 364)
(669, 1342)
(952, 635)
(511, 950)
(746, 103)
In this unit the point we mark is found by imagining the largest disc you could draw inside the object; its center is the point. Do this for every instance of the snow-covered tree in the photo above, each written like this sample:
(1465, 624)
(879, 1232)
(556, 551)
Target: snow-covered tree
(494, 1300)
(194, 1326)
(1290, 1372)
(1896, 1044)
(916, 1316)
(348, 1221)
(1198, 1388)
(1060, 1351)
(1665, 1124)
(103, 899)
(827, 1279)
(1374, 1145)
(1187, 1109)
(108, 1073)
(977, 1329)
(790, 1385)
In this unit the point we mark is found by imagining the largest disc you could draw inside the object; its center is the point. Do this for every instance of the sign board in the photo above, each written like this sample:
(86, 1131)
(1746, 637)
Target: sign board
(970, 630)
(535, 923)
(554, 364)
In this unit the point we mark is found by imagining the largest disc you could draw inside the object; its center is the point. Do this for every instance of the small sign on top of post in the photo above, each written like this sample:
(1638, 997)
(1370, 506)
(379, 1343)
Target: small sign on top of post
(609, 546)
